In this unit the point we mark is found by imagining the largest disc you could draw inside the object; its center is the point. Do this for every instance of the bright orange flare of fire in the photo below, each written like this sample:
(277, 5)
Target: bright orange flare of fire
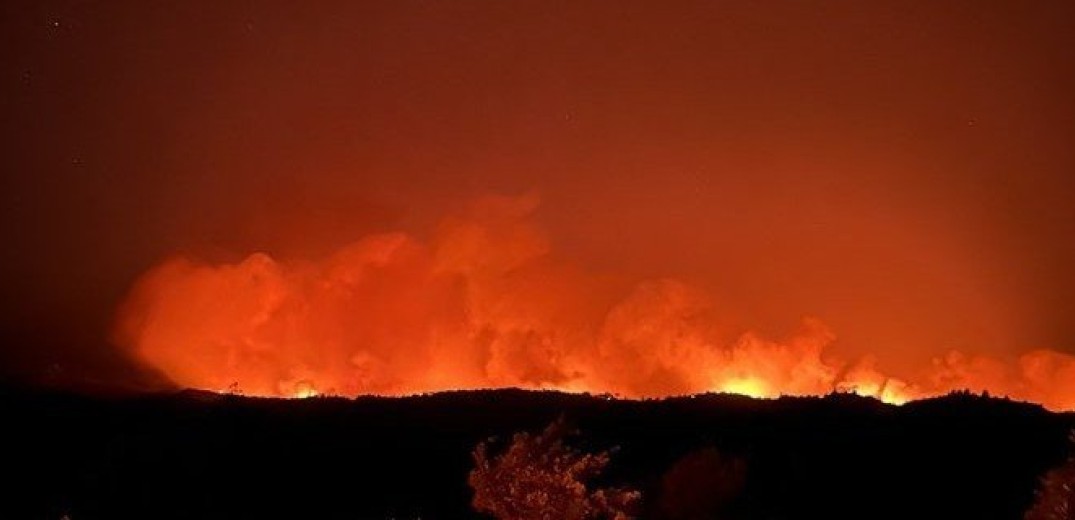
(483, 305)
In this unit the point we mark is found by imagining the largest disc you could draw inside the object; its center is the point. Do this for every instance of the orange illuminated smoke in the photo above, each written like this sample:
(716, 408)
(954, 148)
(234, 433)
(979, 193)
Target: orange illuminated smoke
(483, 304)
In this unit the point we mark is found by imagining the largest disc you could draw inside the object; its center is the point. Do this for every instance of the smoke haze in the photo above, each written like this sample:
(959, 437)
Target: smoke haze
(900, 173)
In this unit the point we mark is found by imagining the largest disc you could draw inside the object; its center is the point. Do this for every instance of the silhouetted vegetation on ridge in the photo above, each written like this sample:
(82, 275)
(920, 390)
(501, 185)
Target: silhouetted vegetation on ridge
(203, 455)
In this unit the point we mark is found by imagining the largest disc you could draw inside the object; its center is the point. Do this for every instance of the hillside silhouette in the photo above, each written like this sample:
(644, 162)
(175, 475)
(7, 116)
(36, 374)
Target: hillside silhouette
(204, 455)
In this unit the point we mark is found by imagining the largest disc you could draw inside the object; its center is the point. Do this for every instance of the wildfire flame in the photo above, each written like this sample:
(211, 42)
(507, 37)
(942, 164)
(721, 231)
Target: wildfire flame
(483, 305)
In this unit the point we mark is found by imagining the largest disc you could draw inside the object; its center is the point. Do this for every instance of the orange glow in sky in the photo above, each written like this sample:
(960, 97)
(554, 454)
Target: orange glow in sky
(775, 197)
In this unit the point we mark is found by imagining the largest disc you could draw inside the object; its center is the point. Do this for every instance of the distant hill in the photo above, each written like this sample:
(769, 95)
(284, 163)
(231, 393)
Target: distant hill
(199, 455)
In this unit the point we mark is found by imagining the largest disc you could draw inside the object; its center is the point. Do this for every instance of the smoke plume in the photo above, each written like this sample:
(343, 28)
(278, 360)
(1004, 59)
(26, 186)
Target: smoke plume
(485, 303)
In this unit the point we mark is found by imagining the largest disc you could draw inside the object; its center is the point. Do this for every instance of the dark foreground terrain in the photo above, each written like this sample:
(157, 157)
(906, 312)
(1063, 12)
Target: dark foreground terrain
(194, 455)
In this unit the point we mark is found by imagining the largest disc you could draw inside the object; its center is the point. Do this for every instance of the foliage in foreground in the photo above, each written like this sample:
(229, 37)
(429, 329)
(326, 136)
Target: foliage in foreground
(538, 477)
(1056, 497)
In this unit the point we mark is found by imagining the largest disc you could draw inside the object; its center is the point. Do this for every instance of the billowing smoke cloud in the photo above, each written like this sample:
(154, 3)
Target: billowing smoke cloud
(484, 303)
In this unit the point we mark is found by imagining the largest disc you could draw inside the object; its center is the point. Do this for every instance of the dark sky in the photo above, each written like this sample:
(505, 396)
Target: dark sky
(905, 171)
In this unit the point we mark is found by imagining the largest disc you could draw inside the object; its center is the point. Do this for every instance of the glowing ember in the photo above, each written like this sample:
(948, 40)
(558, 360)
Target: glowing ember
(483, 305)
(304, 389)
(750, 386)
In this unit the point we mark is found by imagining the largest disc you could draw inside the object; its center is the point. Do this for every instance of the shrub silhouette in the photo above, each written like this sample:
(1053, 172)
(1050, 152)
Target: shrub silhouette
(1056, 497)
(538, 477)
(701, 485)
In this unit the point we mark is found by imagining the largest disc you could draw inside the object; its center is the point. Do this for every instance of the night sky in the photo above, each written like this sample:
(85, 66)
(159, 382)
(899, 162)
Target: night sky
(904, 171)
